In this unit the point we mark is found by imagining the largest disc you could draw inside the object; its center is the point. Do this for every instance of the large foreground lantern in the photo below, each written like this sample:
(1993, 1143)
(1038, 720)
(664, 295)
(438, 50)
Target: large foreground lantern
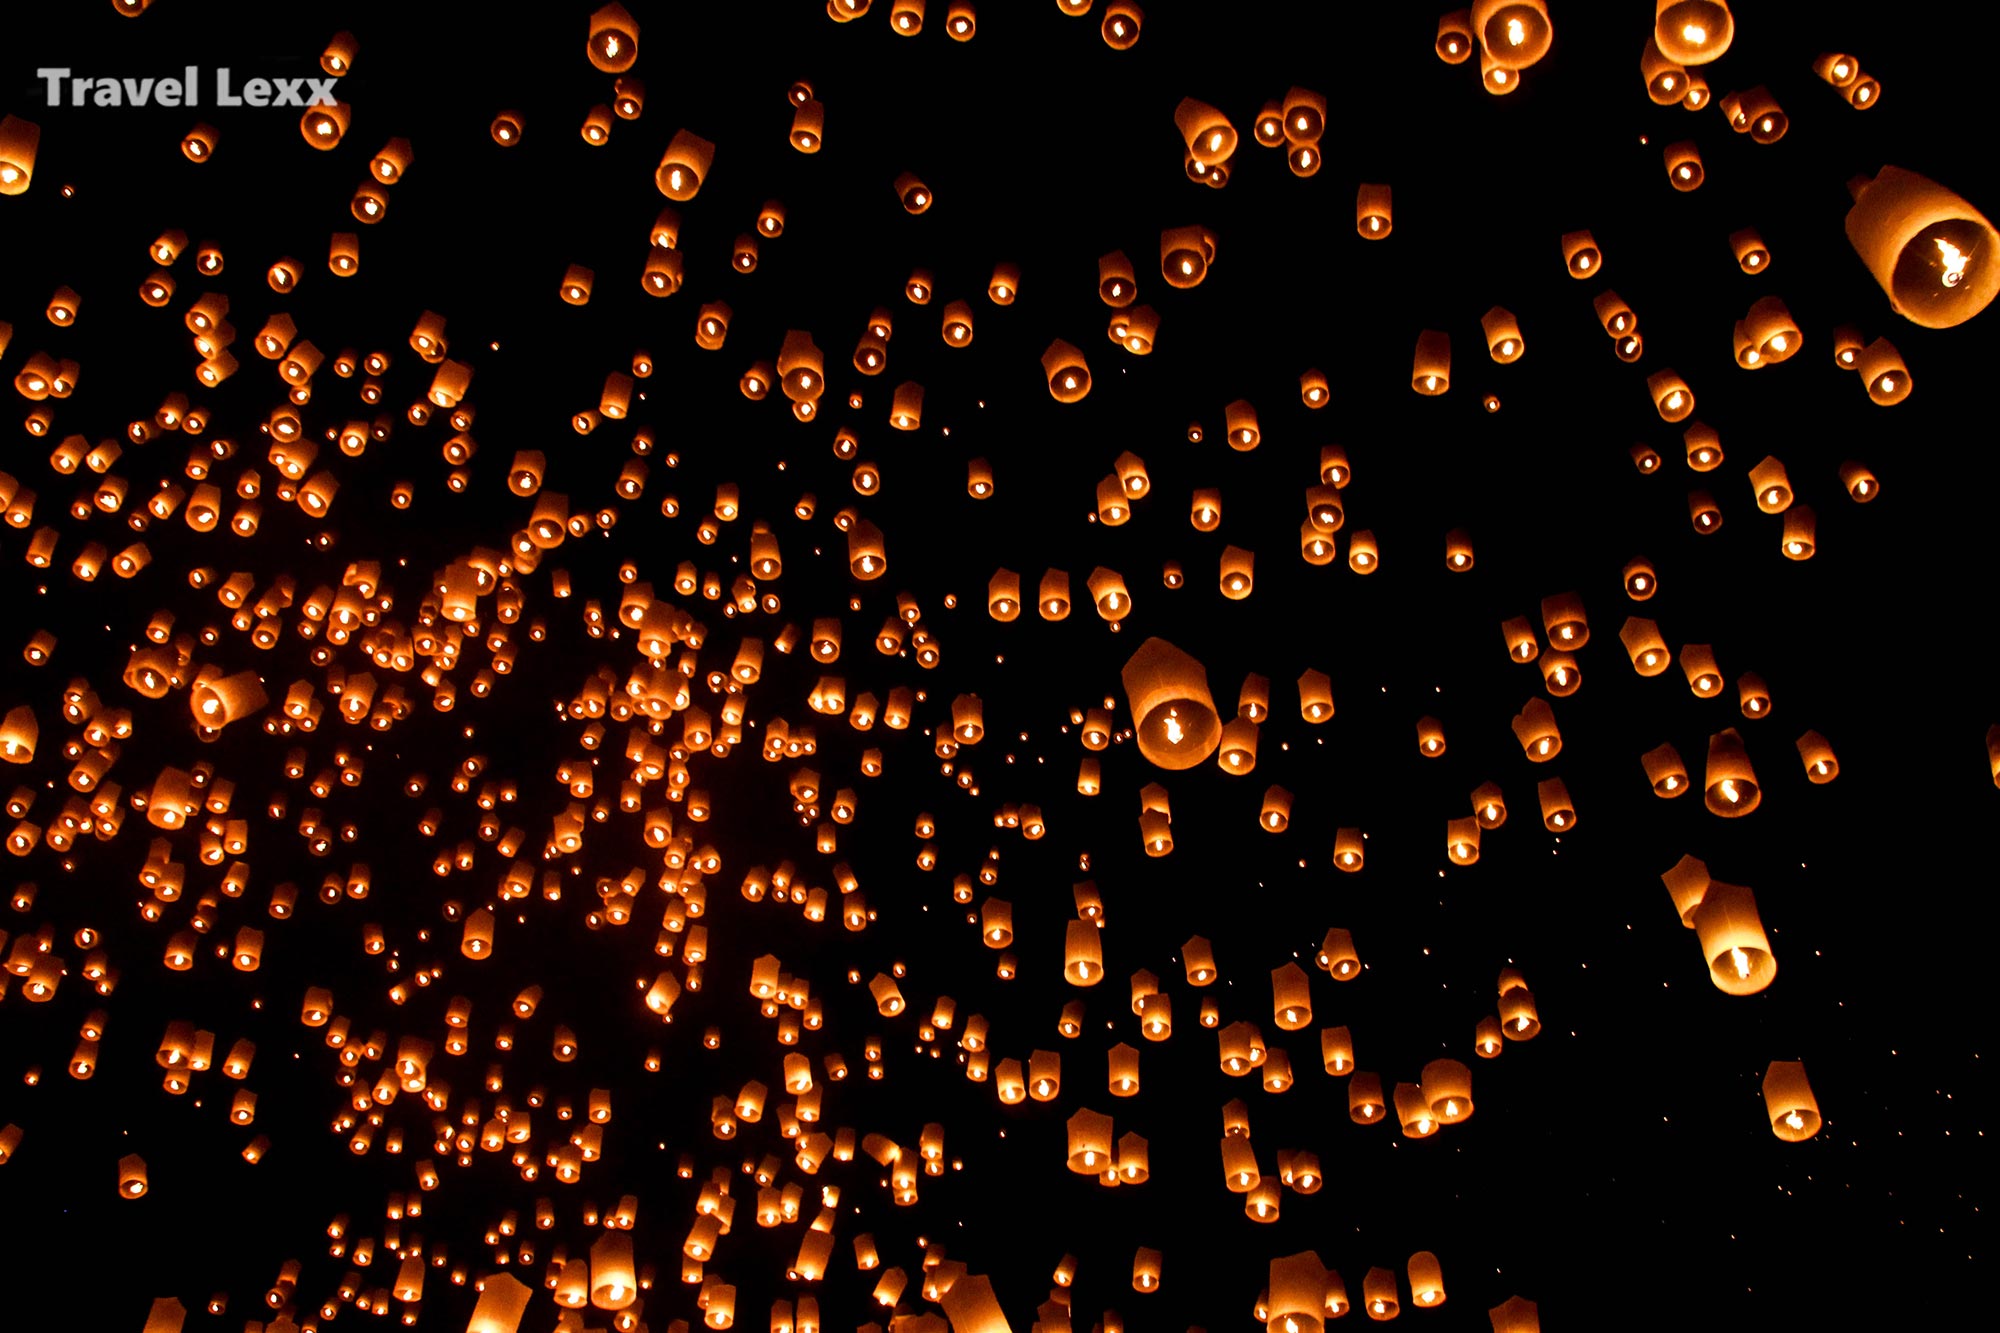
(1172, 709)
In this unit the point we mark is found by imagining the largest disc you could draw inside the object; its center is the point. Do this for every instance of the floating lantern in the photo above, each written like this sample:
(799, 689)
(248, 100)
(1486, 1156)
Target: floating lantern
(1789, 1101)
(1733, 941)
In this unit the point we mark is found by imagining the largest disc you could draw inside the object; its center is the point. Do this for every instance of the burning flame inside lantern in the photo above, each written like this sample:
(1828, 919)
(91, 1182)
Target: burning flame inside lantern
(1954, 261)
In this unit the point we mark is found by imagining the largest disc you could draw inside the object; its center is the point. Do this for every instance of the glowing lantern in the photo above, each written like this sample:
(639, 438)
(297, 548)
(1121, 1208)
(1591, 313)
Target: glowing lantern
(1666, 81)
(1209, 136)
(1336, 955)
(1558, 811)
(1684, 169)
(1454, 37)
(1167, 692)
(1185, 256)
(684, 166)
(1581, 255)
(131, 1176)
(1068, 375)
(1516, 33)
(1733, 941)
(1089, 1142)
(1665, 771)
(1729, 787)
(1883, 372)
(1430, 370)
(1535, 727)
(1817, 755)
(1503, 335)
(1789, 1101)
(1275, 816)
(1374, 211)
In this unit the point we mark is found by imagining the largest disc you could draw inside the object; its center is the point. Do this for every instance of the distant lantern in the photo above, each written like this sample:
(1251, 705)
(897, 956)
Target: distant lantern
(1364, 1098)
(1209, 136)
(1489, 806)
(1580, 254)
(1671, 395)
(916, 196)
(684, 166)
(1313, 389)
(1427, 1275)
(131, 1176)
(1067, 374)
(198, 144)
(1684, 168)
(1374, 211)
(1089, 1142)
(1108, 594)
(1789, 1101)
(1729, 787)
(808, 126)
(1083, 953)
(1752, 255)
(1185, 256)
(1240, 426)
(1003, 595)
(1518, 1018)
(1733, 941)
(1817, 755)
(1447, 1086)
(1199, 960)
(1515, 1315)
(1336, 955)
(1237, 573)
(506, 128)
(1503, 335)
(1752, 695)
(1698, 663)
(1882, 371)
(1665, 771)
(1315, 696)
(321, 126)
(1275, 816)
(1174, 714)
(1666, 80)
(1430, 370)
(1122, 25)
(1461, 840)
(1859, 482)
(1349, 850)
(1116, 286)
(1558, 811)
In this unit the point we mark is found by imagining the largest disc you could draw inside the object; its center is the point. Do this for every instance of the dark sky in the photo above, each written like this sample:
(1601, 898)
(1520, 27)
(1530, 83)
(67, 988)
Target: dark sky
(1620, 1162)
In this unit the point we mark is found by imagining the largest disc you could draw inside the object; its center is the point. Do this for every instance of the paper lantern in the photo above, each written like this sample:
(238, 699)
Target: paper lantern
(1859, 482)
(1729, 787)
(1374, 211)
(1671, 395)
(1703, 675)
(684, 166)
(1083, 953)
(1752, 256)
(1348, 850)
(1580, 255)
(506, 128)
(1209, 136)
(1558, 811)
(1237, 575)
(1515, 32)
(324, 126)
(1166, 689)
(1089, 1142)
(1275, 815)
(1240, 426)
(1752, 695)
(808, 126)
(131, 1176)
(1733, 941)
(1687, 884)
(1883, 373)
(1519, 1020)
(1666, 81)
(1454, 37)
(1044, 1075)
(1199, 959)
(1535, 727)
(1461, 840)
(1185, 256)
(1336, 955)
(614, 39)
(1430, 369)
(1756, 113)
(1665, 771)
(1684, 168)
(1447, 1086)
(1067, 374)
(1817, 755)
(1503, 335)
(613, 1282)
(1515, 1315)
(1789, 1101)
(1693, 32)
(1426, 1275)
(1363, 557)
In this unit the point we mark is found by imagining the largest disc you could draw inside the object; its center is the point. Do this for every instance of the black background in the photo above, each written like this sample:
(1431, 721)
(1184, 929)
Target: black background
(1618, 1165)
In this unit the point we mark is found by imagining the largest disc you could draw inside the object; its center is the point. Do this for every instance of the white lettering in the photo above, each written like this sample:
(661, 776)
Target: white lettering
(54, 78)
(106, 93)
(257, 92)
(322, 92)
(168, 93)
(139, 91)
(223, 97)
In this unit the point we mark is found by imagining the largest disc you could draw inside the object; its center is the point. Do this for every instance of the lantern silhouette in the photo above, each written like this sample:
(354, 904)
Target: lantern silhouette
(1789, 1101)
(1733, 941)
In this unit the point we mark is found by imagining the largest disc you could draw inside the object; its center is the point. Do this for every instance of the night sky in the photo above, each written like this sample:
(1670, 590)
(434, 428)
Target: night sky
(560, 696)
